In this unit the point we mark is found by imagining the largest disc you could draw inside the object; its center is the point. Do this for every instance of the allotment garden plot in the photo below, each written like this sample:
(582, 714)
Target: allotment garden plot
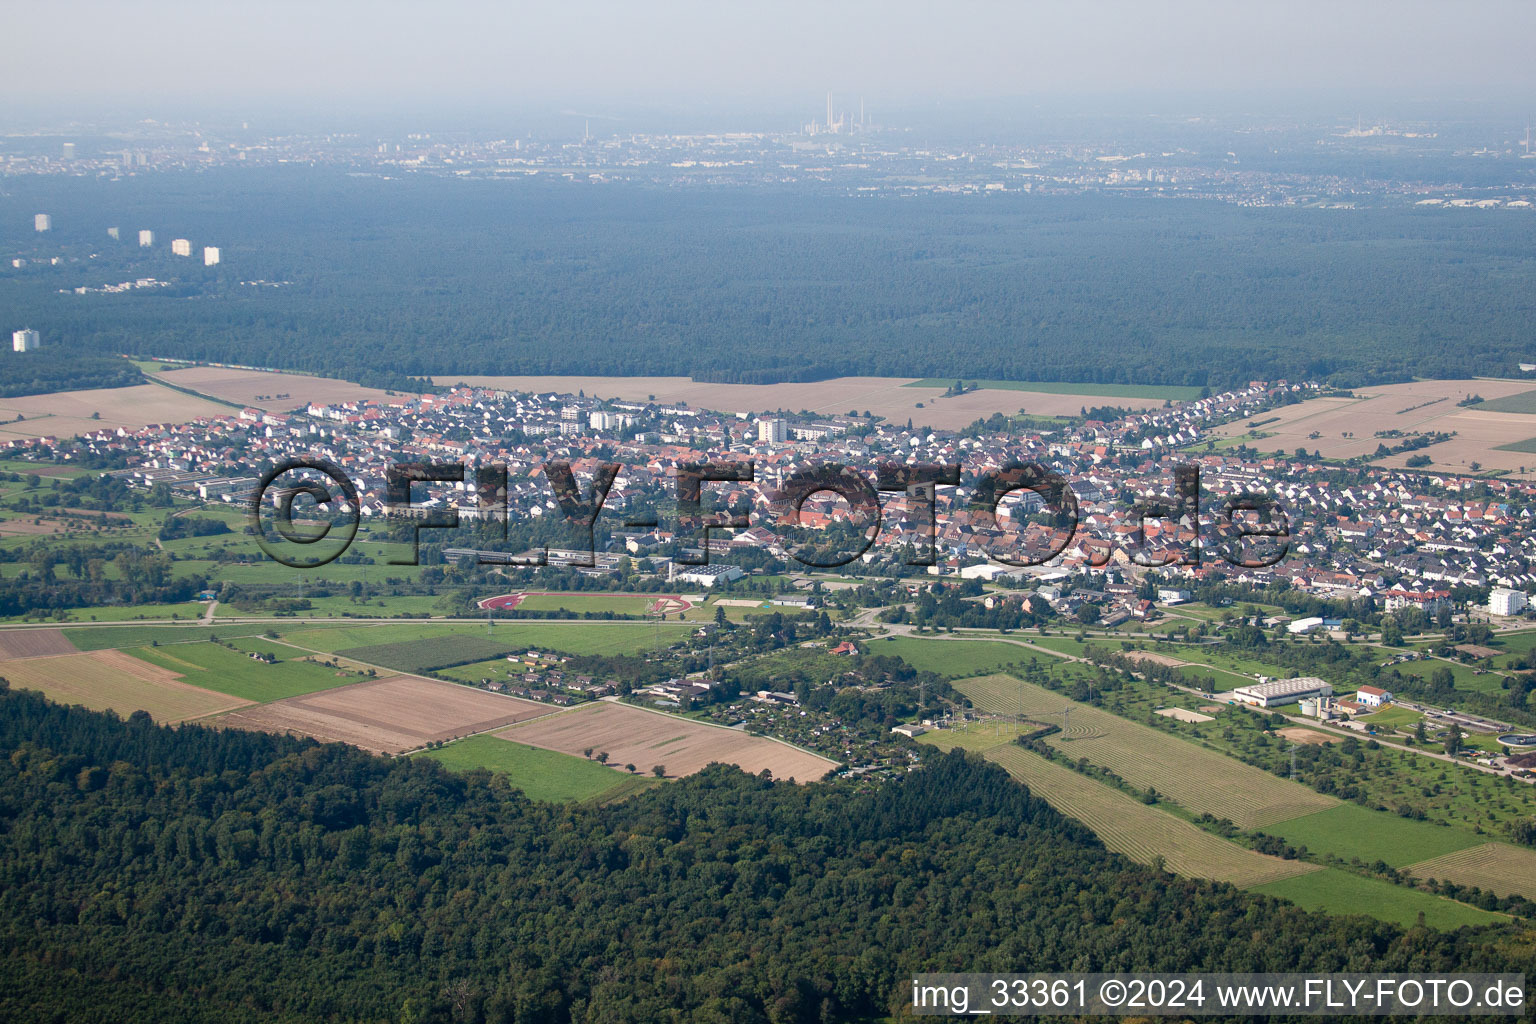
(1199, 779)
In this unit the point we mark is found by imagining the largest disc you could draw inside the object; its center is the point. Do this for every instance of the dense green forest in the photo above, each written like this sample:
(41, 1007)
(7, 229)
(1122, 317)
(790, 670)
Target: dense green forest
(49, 369)
(193, 874)
(376, 278)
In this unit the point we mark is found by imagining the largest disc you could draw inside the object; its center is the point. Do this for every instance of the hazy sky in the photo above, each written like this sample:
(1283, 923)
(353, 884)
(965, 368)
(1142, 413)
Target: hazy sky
(376, 53)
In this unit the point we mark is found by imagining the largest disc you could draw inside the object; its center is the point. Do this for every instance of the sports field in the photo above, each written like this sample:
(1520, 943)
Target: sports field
(112, 679)
(594, 604)
(1199, 779)
(1497, 867)
(1350, 831)
(389, 715)
(1340, 892)
(631, 735)
(1140, 832)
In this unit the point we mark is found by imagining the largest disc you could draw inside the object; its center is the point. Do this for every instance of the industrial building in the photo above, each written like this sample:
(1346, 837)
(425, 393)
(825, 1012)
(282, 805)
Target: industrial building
(706, 575)
(1373, 696)
(1274, 692)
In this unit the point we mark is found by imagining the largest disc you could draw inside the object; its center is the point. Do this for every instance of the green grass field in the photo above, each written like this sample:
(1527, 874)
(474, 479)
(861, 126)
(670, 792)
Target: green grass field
(1466, 676)
(184, 611)
(1524, 401)
(1339, 892)
(1351, 831)
(541, 774)
(1176, 392)
(597, 604)
(429, 653)
(567, 637)
(99, 638)
(1392, 718)
(954, 658)
(1199, 779)
(1140, 832)
(217, 668)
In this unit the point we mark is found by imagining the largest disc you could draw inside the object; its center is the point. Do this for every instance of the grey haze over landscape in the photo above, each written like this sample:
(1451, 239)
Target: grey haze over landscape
(376, 58)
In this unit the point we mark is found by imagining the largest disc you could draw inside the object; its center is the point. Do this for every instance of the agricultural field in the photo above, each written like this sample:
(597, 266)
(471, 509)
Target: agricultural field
(895, 398)
(1349, 831)
(1348, 427)
(1518, 402)
(1140, 832)
(1174, 392)
(1495, 867)
(1199, 779)
(431, 652)
(67, 413)
(540, 774)
(566, 637)
(1340, 892)
(631, 735)
(263, 390)
(389, 715)
(34, 643)
(234, 672)
(96, 638)
(102, 680)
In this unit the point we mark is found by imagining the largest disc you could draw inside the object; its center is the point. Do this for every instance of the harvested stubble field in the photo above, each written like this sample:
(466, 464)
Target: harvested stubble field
(1420, 407)
(1310, 737)
(33, 643)
(895, 398)
(1199, 779)
(1141, 832)
(116, 680)
(389, 715)
(260, 389)
(1495, 867)
(69, 412)
(632, 735)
